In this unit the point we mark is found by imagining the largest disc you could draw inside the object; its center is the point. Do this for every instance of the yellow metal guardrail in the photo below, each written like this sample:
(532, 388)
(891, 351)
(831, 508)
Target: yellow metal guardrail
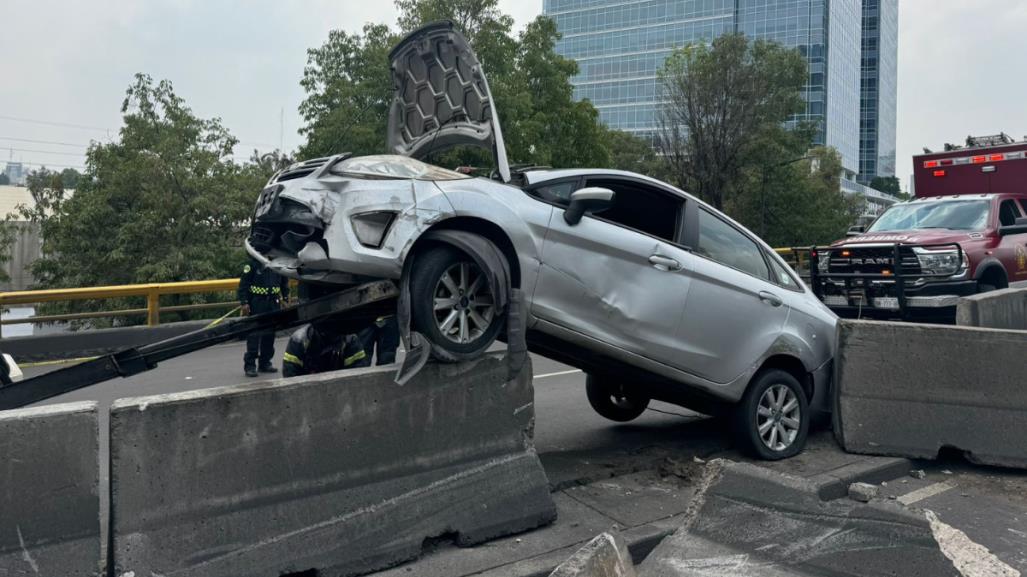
(152, 292)
(798, 258)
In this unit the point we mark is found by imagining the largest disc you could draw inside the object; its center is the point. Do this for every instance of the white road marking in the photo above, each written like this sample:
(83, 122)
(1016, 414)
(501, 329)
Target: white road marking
(557, 374)
(925, 492)
(969, 558)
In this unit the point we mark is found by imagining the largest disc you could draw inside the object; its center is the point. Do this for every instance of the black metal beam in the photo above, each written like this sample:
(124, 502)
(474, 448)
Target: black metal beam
(351, 310)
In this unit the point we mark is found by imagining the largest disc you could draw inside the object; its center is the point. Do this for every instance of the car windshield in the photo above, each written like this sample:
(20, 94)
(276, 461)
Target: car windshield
(951, 214)
(393, 166)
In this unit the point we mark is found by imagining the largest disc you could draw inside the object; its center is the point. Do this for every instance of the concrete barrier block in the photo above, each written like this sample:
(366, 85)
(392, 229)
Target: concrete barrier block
(746, 520)
(343, 473)
(49, 491)
(604, 556)
(909, 390)
(1001, 309)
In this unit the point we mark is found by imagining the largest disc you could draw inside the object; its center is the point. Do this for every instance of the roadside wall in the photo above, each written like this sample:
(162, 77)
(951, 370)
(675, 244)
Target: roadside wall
(343, 472)
(1001, 309)
(910, 389)
(49, 491)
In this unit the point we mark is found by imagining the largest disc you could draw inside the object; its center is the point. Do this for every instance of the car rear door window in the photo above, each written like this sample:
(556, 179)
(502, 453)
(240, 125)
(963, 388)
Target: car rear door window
(781, 276)
(1023, 205)
(723, 243)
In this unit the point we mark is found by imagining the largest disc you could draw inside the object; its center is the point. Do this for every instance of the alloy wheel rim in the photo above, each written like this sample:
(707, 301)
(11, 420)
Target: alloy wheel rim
(778, 417)
(463, 304)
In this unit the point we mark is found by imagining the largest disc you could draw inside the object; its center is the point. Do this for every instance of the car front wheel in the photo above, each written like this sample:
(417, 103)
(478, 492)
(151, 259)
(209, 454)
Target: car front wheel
(612, 401)
(772, 421)
(452, 304)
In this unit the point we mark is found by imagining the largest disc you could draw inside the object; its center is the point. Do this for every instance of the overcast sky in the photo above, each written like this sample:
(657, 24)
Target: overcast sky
(69, 62)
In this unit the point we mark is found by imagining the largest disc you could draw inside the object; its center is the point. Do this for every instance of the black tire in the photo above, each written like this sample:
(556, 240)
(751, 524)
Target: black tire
(749, 417)
(611, 401)
(425, 278)
(985, 288)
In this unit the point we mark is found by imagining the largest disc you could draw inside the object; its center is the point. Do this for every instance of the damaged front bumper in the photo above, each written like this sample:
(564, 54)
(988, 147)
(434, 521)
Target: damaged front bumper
(339, 230)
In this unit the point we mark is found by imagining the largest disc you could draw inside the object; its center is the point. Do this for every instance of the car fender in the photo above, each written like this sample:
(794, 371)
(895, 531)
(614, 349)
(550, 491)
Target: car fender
(522, 219)
(987, 264)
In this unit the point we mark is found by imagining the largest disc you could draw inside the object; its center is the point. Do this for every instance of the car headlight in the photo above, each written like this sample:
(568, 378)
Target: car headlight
(371, 227)
(938, 262)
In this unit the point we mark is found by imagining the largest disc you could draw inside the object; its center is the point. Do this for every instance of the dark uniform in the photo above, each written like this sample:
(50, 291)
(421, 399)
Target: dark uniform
(262, 290)
(315, 348)
(383, 334)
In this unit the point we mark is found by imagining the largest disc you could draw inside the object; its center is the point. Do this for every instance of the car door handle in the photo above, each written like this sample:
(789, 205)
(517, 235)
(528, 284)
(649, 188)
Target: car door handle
(771, 298)
(663, 263)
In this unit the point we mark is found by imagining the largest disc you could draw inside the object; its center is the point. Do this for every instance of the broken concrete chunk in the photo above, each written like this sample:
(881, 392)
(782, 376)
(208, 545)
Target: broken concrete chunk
(862, 492)
(917, 474)
(604, 556)
(747, 521)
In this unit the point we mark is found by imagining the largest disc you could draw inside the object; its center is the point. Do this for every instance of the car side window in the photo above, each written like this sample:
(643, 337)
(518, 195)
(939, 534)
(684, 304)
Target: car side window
(1023, 205)
(557, 193)
(1008, 213)
(645, 209)
(723, 243)
(781, 277)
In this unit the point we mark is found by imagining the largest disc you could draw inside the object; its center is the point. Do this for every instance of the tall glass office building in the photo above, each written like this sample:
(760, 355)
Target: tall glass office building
(620, 44)
(879, 87)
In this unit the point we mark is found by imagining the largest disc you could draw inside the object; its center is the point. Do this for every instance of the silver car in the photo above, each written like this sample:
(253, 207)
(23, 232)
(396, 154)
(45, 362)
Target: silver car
(650, 291)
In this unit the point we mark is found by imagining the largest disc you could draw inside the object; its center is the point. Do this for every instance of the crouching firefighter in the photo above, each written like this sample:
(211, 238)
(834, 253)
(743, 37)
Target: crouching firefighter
(318, 348)
(261, 290)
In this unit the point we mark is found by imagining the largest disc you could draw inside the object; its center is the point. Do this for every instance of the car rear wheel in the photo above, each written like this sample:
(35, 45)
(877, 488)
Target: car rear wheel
(772, 421)
(610, 400)
(452, 304)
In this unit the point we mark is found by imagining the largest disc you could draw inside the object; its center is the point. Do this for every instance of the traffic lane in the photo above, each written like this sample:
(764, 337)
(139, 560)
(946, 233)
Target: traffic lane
(989, 504)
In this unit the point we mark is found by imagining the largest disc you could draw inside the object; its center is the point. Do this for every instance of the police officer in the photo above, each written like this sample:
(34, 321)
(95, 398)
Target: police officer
(261, 290)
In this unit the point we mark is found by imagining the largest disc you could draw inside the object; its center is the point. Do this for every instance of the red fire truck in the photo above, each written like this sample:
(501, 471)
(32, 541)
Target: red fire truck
(965, 232)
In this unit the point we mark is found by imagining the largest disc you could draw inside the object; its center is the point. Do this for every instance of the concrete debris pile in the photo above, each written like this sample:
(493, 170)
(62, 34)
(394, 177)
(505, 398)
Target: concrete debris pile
(749, 521)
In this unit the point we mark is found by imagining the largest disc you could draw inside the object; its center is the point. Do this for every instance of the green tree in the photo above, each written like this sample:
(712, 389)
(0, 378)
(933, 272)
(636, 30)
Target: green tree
(69, 178)
(349, 90)
(630, 152)
(723, 99)
(797, 202)
(161, 203)
(888, 184)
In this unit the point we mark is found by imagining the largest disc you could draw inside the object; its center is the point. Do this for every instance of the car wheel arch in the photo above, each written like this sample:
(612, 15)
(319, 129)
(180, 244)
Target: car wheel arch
(791, 365)
(481, 227)
(992, 270)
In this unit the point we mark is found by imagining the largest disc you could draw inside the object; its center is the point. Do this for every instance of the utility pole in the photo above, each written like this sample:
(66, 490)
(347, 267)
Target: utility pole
(763, 189)
(281, 129)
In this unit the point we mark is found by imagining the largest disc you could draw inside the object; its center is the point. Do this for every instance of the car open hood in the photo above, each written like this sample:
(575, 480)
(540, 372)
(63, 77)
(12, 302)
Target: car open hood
(442, 98)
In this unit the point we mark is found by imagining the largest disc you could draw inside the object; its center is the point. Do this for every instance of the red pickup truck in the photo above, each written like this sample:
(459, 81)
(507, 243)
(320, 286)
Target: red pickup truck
(919, 257)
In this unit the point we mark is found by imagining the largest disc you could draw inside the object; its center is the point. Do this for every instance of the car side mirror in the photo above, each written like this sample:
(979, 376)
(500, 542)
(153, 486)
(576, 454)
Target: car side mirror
(1019, 228)
(855, 230)
(590, 199)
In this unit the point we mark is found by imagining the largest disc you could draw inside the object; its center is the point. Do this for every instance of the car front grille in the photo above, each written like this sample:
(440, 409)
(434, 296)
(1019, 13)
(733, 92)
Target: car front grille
(873, 260)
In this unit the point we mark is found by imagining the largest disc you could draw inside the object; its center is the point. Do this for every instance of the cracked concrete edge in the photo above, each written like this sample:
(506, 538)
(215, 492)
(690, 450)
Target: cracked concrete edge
(834, 484)
(641, 540)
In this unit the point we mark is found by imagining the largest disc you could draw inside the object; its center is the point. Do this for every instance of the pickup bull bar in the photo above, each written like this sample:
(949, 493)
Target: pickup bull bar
(888, 286)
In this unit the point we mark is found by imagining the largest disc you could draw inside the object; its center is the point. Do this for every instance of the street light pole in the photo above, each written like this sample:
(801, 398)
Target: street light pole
(763, 190)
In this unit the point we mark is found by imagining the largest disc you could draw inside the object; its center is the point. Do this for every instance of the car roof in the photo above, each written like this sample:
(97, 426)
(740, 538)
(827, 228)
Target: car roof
(538, 176)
